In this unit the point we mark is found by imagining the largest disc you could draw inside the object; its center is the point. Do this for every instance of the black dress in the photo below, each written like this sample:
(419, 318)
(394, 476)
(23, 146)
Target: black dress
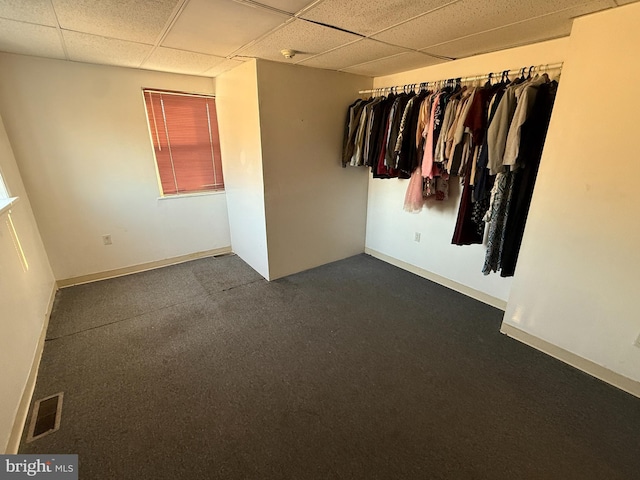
(534, 132)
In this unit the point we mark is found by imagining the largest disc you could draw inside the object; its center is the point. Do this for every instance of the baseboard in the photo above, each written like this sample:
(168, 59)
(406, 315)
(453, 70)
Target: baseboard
(434, 277)
(587, 366)
(25, 402)
(119, 272)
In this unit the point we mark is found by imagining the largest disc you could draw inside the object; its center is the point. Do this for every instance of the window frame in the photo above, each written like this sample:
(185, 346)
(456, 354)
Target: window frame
(151, 132)
(6, 200)
(4, 190)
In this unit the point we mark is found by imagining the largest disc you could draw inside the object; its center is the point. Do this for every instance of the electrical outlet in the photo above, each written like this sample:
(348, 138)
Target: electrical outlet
(416, 237)
(106, 239)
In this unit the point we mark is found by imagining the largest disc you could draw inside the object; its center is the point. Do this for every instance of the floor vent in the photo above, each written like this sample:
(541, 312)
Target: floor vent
(46, 417)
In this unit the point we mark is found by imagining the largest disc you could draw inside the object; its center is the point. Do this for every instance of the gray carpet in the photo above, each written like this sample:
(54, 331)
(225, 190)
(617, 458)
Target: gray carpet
(354, 370)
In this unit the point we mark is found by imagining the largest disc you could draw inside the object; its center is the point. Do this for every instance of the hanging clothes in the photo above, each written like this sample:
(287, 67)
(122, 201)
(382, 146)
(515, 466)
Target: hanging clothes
(380, 129)
(490, 136)
(413, 199)
(358, 143)
(534, 132)
(461, 145)
(467, 231)
(525, 98)
(394, 130)
(373, 129)
(513, 189)
(429, 134)
(484, 181)
(499, 129)
(406, 147)
(353, 113)
(448, 120)
(501, 199)
(405, 134)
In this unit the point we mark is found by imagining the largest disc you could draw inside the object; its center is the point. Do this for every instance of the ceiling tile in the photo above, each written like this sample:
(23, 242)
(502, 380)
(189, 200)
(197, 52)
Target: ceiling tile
(306, 38)
(33, 11)
(123, 19)
(468, 17)
(370, 16)
(83, 47)
(291, 6)
(220, 27)
(530, 31)
(30, 39)
(180, 61)
(394, 64)
(352, 54)
(222, 67)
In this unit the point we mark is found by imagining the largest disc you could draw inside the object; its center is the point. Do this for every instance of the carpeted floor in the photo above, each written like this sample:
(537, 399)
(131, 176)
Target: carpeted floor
(354, 370)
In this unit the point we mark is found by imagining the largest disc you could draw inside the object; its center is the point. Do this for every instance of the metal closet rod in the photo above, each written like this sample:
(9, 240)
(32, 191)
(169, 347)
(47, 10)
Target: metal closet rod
(495, 75)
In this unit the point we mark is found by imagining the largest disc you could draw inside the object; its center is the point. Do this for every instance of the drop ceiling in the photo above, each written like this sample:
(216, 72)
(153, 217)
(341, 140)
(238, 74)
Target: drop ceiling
(208, 37)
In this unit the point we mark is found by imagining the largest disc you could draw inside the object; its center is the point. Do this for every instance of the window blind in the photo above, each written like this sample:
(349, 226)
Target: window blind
(184, 132)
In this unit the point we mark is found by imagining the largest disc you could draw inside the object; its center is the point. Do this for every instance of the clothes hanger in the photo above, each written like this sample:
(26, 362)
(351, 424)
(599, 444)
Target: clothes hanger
(489, 77)
(459, 88)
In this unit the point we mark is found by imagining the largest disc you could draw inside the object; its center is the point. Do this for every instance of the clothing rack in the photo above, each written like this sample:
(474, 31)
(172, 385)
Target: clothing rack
(489, 76)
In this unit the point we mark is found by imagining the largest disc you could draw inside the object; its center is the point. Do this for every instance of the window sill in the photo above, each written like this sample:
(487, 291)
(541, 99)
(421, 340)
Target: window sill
(195, 194)
(6, 204)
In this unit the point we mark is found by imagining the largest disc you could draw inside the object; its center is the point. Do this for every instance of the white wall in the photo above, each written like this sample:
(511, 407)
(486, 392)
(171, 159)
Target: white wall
(315, 209)
(25, 291)
(390, 230)
(81, 140)
(239, 124)
(576, 285)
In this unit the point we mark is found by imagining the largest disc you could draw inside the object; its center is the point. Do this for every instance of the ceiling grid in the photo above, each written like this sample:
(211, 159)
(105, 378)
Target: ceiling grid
(208, 37)
(60, 36)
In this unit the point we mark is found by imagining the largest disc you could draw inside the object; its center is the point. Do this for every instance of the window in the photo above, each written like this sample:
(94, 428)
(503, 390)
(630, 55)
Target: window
(3, 189)
(6, 201)
(184, 133)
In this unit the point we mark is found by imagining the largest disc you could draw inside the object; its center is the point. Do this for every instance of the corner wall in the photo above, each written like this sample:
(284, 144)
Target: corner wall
(239, 124)
(315, 209)
(391, 230)
(81, 140)
(26, 288)
(576, 286)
